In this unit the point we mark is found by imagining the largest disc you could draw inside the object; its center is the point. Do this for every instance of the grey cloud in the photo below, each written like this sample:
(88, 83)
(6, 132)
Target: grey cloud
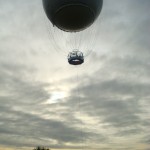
(24, 125)
(146, 139)
(20, 91)
(27, 97)
(110, 103)
(129, 132)
(117, 87)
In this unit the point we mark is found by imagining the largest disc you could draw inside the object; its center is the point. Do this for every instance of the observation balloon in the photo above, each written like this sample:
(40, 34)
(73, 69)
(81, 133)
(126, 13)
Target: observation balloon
(72, 15)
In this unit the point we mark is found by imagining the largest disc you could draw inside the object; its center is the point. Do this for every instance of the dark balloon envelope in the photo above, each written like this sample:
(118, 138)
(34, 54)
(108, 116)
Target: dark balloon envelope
(72, 15)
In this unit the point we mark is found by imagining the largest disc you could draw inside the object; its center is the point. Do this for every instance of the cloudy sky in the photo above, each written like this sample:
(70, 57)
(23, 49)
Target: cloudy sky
(102, 104)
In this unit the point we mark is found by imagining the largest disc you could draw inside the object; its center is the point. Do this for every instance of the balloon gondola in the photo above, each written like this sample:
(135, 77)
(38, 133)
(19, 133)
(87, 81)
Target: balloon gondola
(75, 57)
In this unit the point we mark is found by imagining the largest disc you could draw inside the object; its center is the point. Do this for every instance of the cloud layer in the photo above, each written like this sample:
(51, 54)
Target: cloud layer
(103, 104)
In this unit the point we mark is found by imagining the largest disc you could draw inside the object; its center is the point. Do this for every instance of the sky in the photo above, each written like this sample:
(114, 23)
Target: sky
(101, 105)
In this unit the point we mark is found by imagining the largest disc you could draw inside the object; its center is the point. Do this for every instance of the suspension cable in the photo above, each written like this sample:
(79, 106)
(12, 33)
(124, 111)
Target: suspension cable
(79, 110)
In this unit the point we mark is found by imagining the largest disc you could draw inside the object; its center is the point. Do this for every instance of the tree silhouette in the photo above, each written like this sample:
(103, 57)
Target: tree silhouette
(41, 148)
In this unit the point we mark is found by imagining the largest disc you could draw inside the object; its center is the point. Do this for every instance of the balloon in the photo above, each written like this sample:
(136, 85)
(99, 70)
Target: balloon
(72, 15)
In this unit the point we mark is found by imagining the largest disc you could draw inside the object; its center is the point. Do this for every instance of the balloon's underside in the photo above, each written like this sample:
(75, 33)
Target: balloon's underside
(73, 17)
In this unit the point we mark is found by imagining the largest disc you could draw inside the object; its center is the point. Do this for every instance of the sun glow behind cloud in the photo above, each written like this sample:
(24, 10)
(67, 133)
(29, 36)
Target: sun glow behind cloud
(56, 97)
